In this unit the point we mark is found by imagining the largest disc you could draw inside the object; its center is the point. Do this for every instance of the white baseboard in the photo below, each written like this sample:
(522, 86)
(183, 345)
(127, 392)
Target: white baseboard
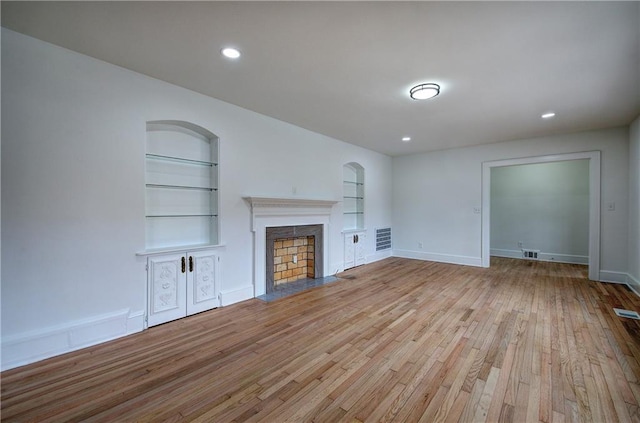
(336, 267)
(19, 350)
(442, 258)
(135, 322)
(633, 283)
(236, 295)
(613, 277)
(378, 255)
(542, 256)
(371, 258)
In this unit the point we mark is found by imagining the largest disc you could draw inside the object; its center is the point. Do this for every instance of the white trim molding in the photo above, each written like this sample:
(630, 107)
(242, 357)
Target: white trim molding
(613, 276)
(542, 256)
(441, 258)
(633, 283)
(379, 255)
(263, 207)
(30, 347)
(594, 202)
(236, 295)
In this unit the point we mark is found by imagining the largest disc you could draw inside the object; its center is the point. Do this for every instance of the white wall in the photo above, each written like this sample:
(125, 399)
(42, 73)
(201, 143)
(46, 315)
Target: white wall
(435, 194)
(634, 204)
(544, 206)
(73, 192)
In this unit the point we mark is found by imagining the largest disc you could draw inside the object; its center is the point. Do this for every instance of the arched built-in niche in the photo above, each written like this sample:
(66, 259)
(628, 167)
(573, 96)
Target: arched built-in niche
(181, 177)
(353, 196)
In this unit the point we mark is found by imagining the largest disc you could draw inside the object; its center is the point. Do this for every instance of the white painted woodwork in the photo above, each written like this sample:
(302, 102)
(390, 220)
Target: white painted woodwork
(349, 251)
(174, 293)
(594, 201)
(354, 249)
(202, 282)
(360, 250)
(270, 212)
(167, 288)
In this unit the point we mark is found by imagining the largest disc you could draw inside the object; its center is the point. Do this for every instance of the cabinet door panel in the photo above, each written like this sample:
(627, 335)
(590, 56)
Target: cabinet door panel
(202, 282)
(167, 284)
(349, 251)
(359, 253)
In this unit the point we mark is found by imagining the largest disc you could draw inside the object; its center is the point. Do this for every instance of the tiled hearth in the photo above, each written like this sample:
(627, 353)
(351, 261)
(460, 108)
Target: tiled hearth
(295, 287)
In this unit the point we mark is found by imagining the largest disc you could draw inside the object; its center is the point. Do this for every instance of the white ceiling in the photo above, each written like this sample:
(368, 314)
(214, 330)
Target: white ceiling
(344, 69)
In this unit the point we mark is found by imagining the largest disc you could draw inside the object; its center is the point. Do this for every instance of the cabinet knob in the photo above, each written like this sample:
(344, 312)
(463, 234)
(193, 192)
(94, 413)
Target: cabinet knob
(190, 264)
(183, 264)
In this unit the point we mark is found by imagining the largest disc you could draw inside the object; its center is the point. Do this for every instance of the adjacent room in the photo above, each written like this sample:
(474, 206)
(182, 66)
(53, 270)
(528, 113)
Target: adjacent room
(320, 211)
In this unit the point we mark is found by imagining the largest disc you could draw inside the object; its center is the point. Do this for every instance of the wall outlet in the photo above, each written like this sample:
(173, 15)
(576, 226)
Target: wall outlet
(420, 245)
(611, 206)
(477, 210)
(295, 258)
(520, 244)
(294, 190)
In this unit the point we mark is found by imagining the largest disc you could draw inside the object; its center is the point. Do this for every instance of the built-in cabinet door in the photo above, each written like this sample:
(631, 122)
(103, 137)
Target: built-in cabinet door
(349, 251)
(354, 251)
(167, 279)
(181, 285)
(360, 253)
(202, 282)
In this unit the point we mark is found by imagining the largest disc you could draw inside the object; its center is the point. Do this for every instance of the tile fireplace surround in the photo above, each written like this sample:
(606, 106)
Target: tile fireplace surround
(280, 212)
(311, 233)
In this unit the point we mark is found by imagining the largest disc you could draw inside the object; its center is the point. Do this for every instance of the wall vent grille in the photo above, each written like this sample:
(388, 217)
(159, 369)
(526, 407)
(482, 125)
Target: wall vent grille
(530, 254)
(383, 239)
(627, 313)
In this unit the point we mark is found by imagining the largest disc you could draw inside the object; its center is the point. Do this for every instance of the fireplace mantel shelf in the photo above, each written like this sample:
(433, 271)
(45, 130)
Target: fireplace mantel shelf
(265, 202)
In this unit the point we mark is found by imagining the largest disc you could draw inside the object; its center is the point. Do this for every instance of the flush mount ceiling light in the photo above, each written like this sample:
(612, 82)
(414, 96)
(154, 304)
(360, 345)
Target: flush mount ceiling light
(548, 115)
(230, 52)
(406, 139)
(424, 91)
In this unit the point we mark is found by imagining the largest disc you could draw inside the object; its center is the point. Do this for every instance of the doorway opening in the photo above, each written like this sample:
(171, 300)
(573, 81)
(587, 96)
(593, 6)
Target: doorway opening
(593, 202)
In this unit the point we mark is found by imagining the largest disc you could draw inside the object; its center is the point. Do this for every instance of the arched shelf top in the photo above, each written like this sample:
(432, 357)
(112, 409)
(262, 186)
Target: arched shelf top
(355, 165)
(180, 126)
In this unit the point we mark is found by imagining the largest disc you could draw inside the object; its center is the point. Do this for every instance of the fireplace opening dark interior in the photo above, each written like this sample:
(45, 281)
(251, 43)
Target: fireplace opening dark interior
(293, 253)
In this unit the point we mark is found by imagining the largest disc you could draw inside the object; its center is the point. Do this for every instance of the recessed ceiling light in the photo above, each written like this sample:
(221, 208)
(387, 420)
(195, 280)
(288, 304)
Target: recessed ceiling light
(405, 139)
(424, 91)
(231, 53)
(548, 115)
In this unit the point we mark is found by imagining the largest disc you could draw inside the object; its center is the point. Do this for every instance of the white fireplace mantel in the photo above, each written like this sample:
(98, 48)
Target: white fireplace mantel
(274, 212)
(270, 206)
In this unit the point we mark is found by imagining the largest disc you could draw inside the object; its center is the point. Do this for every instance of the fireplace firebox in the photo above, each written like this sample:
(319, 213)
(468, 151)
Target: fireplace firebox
(292, 253)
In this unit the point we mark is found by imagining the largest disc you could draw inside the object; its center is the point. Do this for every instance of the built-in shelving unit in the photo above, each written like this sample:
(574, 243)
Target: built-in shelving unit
(353, 196)
(181, 185)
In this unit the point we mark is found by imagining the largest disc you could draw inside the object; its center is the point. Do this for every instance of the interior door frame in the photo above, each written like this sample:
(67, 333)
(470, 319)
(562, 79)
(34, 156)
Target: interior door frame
(594, 201)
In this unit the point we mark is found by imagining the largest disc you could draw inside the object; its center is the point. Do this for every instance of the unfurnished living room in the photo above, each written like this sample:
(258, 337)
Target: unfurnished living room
(320, 211)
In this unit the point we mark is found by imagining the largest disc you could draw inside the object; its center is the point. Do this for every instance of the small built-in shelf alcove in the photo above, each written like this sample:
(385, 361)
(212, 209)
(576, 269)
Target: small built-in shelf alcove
(353, 215)
(181, 177)
(353, 196)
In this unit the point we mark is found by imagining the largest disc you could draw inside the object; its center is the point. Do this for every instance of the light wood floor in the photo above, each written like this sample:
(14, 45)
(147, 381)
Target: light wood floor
(398, 340)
